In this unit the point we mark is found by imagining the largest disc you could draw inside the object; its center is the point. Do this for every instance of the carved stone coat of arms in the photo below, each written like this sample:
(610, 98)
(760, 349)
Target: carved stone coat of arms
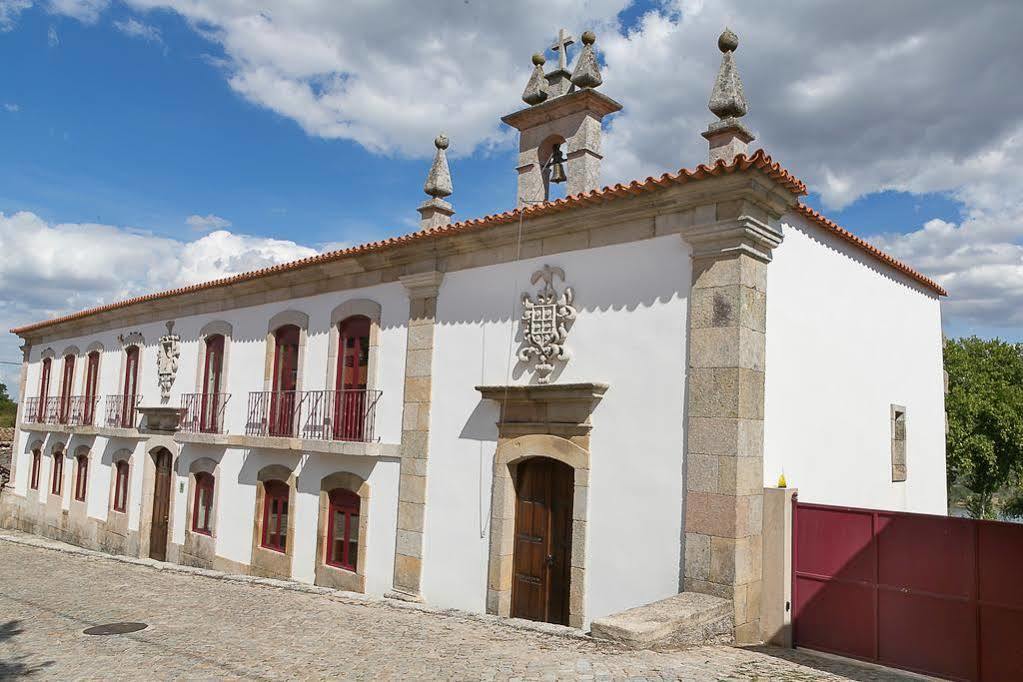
(167, 357)
(545, 320)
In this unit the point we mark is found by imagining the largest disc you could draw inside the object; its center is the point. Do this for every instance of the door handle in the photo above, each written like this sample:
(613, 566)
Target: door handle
(549, 560)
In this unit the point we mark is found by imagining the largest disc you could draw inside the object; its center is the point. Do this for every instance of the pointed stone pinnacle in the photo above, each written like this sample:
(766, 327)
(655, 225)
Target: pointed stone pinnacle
(438, 182)
(727, 99)
(587, 71)
(536, 88)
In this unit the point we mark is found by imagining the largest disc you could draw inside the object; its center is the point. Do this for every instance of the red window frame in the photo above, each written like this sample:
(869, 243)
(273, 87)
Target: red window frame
(131, 380)
(57, 484)
(285, 380)
(204, 484)
(275, 516)
(344, 507)
(37, 457)
(121, 471)
(91, 381)
(352, 377)
(81, 477)
(212, 377)
(67, 387)
(44, 389)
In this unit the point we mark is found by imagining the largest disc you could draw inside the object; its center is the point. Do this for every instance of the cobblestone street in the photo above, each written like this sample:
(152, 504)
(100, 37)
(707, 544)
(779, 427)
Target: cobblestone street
(200, 627)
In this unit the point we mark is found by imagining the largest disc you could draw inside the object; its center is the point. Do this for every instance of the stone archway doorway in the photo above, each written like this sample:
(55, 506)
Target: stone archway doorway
(542, 553)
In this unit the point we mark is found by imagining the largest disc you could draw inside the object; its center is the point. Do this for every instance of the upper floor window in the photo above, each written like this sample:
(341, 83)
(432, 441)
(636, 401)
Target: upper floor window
(91, 385)
(37, 457)
(121, 486)
(57, 484)
(81, 477)
(343, 529)
(212, 388)
(285, 381)
(202, 510)
(44, 389)
(352, 376)
(67, 387)
(275, 515)
(131, 381)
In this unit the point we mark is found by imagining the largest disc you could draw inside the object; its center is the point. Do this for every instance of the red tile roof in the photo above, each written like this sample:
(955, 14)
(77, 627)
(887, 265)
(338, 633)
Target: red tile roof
(759, 160)
(869, 248)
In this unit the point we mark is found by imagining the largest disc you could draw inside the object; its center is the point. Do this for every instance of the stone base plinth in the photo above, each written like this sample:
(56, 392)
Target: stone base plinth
(686, 619)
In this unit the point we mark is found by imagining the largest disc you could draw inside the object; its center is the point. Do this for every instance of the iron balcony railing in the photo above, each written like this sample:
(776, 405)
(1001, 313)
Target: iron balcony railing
(347, 415)
(203, 412)
(75, 410)
(121, 411)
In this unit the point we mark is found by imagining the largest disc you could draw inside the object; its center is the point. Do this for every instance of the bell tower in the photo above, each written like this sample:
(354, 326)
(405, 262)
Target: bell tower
(559, 132)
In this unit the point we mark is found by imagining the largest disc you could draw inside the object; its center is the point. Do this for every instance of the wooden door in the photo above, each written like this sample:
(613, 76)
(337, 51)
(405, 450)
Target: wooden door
(161, 507)
(209, 410)
(91, 381)
(543, 540)
(44, 391)
(352, 373)
(131, 381)
(285, 381)
(67, 385)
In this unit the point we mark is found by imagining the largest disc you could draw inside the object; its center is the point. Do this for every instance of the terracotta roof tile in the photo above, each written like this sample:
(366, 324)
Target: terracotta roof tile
(870, 249)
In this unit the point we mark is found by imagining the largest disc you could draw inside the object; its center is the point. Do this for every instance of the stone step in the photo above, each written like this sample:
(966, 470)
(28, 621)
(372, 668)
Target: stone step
(683, 620)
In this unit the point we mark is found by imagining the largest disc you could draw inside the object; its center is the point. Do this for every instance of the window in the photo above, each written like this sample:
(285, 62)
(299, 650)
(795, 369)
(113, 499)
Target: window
(212, 375)
(91, 381)
(81, 477)
(898, 425)
(285, 381)
(37, 457)
(352, 372)
(202, 512)
(121, 486)
(56, 485)
(275, 515)
(67, 387)
(343, 529)
(131, 379)
(44, 390)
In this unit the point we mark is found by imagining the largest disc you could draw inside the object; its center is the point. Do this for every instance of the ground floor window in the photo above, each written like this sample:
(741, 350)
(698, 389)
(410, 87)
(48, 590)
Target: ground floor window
(37, 457)
(81, 477)
(202, 512)
(58, 472)
(121, 486)
(343, 529)
(275, 515)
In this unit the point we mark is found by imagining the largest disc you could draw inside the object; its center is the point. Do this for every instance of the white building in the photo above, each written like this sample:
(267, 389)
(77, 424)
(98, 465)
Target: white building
(399, 418)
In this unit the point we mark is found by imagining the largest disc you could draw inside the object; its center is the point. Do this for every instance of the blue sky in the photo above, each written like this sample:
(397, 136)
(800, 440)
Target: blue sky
(121, 119)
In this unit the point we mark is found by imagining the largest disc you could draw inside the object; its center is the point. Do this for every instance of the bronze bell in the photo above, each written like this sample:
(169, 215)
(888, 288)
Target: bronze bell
(557, 163)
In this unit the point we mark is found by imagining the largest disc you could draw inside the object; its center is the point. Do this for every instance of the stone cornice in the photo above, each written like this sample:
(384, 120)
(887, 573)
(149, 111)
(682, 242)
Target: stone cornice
(588, 100)
(556, 409)
(743, 235)
(423, 284)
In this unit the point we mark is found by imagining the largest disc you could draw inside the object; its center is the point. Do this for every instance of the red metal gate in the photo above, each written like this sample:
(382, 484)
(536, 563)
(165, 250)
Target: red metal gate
(933, 594)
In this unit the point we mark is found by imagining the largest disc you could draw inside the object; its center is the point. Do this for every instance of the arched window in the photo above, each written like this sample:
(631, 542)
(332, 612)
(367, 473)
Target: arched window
(202, 511)
(67, 387)
(352, 374)
(121, 486)
(213, 371)
(343, 529)
(57, 484)
(91, 383)
(44, 390)
(81, 477)
(131, 382)
(275, 515)
(37, 457)
(285, 381)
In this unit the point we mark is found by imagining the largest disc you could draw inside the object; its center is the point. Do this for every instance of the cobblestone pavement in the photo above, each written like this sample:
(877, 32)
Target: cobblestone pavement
(204, 628)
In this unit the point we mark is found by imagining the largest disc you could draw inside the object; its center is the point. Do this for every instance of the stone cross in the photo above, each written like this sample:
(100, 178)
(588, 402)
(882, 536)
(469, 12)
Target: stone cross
(561, 47)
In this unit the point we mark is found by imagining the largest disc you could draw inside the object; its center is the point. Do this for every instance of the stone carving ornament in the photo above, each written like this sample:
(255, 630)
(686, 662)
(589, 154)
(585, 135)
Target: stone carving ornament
(545, 320)
(167, 360)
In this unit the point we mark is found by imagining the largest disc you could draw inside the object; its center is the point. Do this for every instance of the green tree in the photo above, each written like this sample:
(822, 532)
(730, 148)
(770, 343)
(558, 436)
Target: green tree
(985, 424)
(8, 408)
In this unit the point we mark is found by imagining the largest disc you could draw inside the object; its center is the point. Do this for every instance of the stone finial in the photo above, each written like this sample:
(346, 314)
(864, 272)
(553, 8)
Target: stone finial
(536, 88)
(587, 71)
(728, 137)
(435, 212)
(727, 99)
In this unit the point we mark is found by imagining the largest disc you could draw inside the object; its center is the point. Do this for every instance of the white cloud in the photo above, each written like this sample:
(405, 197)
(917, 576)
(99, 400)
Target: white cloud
(86, 11)
(52, 39)
(203, 223)
(12, 107)
(134, 28)
(9, 11)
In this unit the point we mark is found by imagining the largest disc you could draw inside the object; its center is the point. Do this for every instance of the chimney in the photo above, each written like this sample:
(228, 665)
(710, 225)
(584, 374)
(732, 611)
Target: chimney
(727, 136)
(560, 130)
(435, 212)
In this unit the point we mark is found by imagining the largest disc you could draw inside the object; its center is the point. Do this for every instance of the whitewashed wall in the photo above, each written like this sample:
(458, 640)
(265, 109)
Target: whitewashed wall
(630, 333)
(847, 338)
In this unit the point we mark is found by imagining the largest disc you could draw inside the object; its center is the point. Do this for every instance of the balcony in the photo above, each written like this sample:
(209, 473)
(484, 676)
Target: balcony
(76, 410)
(122, 412)
(347, 415)
(203, 412)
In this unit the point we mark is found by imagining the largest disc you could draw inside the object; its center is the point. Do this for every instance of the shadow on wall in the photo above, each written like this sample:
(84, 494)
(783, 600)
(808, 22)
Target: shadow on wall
(14, 666)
